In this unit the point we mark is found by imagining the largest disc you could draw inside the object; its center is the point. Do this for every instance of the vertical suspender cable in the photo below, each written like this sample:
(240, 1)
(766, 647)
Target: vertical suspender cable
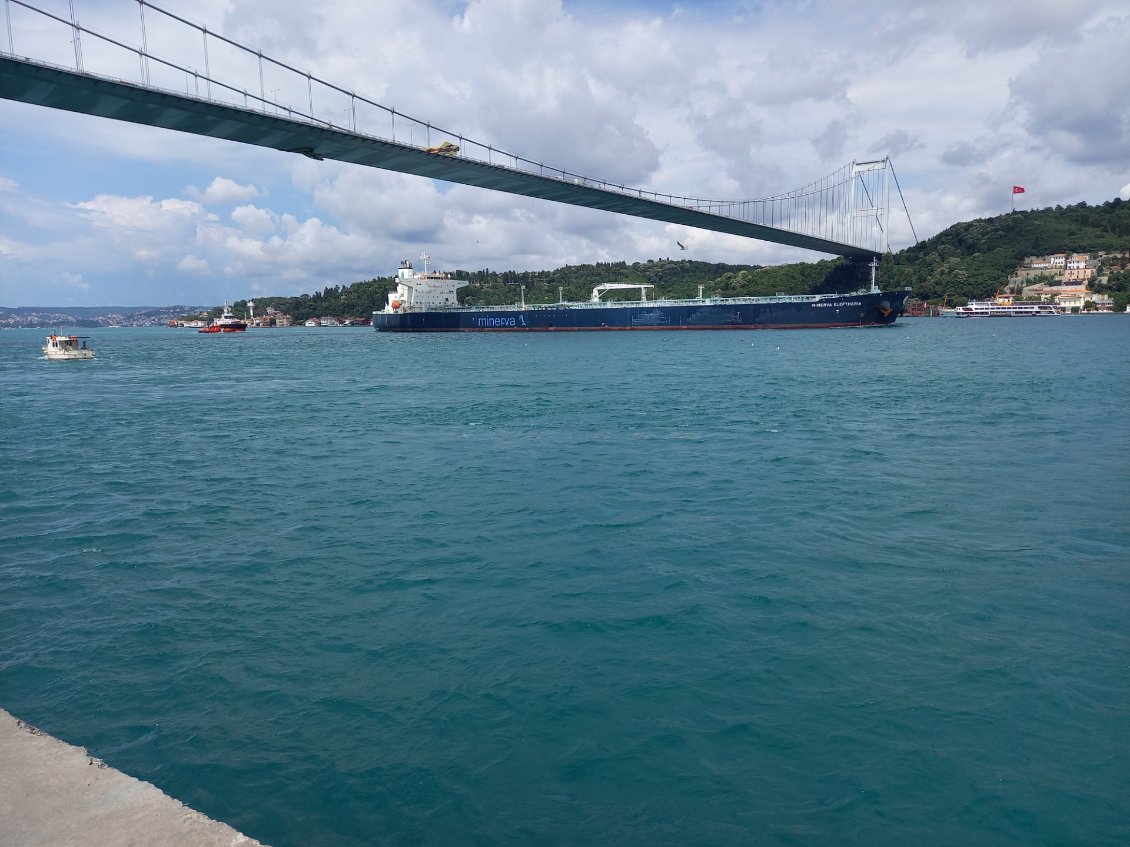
(8, 20)
(887, 206)
(207, 70)
(903, 199)
(144, 45)
(78, 43)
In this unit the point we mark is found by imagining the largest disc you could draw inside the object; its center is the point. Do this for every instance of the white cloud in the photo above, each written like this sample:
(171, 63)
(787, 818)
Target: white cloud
(1066, 109)
(194, 265)
(224, 190)
(253, 220)
(74, 281)
(125, 214)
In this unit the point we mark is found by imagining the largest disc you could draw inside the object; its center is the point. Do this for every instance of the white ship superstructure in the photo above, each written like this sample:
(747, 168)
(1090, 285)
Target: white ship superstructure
(420, 292)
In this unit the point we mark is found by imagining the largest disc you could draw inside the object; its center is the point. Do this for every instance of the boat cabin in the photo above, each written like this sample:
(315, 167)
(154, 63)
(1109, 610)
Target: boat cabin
(68, 347)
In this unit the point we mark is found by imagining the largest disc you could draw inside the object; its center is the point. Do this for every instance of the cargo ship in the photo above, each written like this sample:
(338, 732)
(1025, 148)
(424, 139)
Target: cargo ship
(427, 302)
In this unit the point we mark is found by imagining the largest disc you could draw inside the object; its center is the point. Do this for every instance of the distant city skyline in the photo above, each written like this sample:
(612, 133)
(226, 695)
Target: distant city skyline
(719, 99)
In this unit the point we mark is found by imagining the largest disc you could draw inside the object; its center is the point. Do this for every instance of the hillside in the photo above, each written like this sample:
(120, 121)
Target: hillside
(671, 278)
(973, 259)
(969, 260)
(90, 316)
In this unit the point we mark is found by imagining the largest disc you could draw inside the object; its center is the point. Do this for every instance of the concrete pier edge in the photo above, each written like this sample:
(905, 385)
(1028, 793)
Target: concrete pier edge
(53, 793)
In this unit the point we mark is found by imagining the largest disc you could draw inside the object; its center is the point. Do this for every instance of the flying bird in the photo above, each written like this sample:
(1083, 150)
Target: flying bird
(682, 246)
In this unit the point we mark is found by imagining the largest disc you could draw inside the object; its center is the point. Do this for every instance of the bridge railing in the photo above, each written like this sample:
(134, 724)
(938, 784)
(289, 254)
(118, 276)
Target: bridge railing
(176, 55)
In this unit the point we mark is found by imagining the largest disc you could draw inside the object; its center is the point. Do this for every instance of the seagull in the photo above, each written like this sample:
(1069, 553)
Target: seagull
(681, 245)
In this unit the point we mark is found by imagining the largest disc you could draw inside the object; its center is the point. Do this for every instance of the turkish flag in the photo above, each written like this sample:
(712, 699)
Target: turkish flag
(1018, 189)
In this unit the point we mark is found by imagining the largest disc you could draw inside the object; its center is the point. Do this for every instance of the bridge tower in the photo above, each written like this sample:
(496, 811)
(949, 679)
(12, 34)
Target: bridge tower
(871, 200)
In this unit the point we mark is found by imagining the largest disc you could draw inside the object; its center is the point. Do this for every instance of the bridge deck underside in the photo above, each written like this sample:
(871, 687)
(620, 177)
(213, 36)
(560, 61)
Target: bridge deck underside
(58, 88)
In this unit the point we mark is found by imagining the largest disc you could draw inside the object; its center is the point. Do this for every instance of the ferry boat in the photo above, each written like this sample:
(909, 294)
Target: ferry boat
(226, 322)
(1010, 309)
(427, 302)
(67, 348)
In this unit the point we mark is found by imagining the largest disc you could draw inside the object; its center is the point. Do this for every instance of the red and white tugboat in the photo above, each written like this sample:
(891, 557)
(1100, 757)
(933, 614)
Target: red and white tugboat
(226, 322)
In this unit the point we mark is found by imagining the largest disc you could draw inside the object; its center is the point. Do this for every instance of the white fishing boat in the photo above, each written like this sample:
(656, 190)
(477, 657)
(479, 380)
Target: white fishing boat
(67, 348)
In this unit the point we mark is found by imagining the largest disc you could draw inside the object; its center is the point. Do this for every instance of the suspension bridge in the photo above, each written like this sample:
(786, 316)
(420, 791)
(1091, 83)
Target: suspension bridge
(173, 73)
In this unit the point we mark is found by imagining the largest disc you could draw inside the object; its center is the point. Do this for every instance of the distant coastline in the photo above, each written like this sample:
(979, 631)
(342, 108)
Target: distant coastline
(31, 317)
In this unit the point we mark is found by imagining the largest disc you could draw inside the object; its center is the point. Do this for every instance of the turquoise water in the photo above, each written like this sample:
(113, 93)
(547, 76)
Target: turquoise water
(809, 587)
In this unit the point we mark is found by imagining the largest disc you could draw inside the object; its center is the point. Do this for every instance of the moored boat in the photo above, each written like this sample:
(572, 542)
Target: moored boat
(427, 302)
(226, 322)
(67, 348)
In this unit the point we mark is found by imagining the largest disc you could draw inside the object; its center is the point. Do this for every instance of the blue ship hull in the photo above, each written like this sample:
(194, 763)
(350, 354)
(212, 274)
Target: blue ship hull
(830, 310)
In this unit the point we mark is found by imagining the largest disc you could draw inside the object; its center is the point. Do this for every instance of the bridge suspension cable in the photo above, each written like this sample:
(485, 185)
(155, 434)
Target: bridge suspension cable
(847, 209)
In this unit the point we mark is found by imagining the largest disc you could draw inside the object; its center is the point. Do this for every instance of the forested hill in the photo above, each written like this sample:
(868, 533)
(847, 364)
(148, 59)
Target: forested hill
(969, 260)
(671, 278)
(973, 259)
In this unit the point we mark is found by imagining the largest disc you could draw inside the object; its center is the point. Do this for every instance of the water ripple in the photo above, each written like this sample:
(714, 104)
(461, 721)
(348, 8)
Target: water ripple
(869, 588)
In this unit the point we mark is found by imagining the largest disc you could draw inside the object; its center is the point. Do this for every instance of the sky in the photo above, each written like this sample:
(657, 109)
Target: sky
(708, 99)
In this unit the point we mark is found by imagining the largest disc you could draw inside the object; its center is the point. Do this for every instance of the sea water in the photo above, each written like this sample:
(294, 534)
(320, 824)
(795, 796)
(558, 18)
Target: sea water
(337, 587)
